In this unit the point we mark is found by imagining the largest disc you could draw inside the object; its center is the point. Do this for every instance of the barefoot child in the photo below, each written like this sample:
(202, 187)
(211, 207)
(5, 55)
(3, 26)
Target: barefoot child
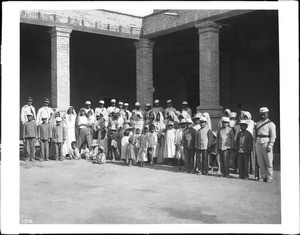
(152, 142)
(73, 151)
(124, 143)
(142, 157)
(84, 152)
(100, 156)
(130, 154)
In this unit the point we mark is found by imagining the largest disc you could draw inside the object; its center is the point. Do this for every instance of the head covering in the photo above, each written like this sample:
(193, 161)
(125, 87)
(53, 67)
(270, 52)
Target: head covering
(233, 115)
(148, 104)
(248, 115)
(113, 101)
(120, 103)
(29, 114)
(126, 104)
(189, 120)
(185, 115)
(198, 115)
(127, 127)
(177, 113)
(185, 102)
(29, 99)
(206, 115)
(203, 119)
(225, 119)
(88, 102)
(44, 116)
(58, 119)
(101, 102)
(173, 116)
(170, 123)
(263, 110)
(137, 104)
(156, 101)
(46, 100)
(169, 101)
(228, 111)
(101, 147)
(94, 143)
(243, 122)
(112, 128)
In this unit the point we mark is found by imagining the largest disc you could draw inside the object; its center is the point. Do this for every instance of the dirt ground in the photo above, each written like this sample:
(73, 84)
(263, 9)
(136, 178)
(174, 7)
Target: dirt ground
(79, 192)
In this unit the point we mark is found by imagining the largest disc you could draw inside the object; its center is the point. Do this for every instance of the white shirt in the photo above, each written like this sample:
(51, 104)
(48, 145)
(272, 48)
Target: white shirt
(44, 111)
(27, 109)
(102, 111)
(111, 108)
(82, 120)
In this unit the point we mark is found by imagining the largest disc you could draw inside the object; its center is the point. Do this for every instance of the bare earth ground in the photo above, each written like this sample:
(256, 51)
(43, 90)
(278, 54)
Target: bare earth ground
(72, 192)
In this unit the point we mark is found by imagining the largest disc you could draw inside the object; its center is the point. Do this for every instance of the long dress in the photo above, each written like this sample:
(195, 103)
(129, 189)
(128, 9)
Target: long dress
(142, 156)
(178, 141)
(124, 144)
(169, 150)
(69, 124)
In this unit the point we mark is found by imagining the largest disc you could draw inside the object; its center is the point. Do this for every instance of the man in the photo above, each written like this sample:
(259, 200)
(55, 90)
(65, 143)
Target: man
(88, 108)
(188, 142)
(44, 111)
(170, 107)
(157, 107)
(113, 107)
(101, 110)
(127, 112)
(121, 110)
(137, 109)
(27, 108)
(186, 108)
(265, 136)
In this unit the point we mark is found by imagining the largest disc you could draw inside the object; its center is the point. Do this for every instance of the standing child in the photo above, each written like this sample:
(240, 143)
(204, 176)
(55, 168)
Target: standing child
(225, 142)
(130, 154)
(214, 156)
(100, 157)
(244, 146)
(178, 142)
(113, 151)
(59, 137)
(137, 142)
(85, 152)
(142, 157)
(29, 136)
(124, 143)
(44, 136)
(73, 151)
(169, 150)
(152, 142)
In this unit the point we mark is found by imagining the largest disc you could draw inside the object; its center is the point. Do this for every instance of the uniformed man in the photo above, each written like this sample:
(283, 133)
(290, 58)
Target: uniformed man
(147, 110)
(265, 135)
(157, 107)
(44, 111)
(27, 108)
(113, 107)
(101, 110)
(186, 108)
(87, 107)
(170, 107)
(137, 109)
(127, 112)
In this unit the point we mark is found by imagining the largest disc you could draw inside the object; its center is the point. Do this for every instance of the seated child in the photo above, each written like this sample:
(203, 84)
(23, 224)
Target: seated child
(93, 150)
(73, 151)
(85, 152)
(100, 156)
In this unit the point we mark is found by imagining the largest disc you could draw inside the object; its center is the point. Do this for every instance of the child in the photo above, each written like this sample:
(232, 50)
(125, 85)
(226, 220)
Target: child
(169, 150)
(130, 154)
(188, 142)
(142, 157)
(202, 145)
(214, 156)
(178, 142)
(152, 142)
(225, 142)
(93, 150)
(137, 141)
(244, 146)
(124, 143)
(59, 137)
(73, 151)
(85, 152)
(100, 157)
(29, 136)
(44, 137)
(113, 151)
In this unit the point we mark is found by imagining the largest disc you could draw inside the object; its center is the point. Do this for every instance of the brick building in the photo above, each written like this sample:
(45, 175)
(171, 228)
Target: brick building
(214, 59)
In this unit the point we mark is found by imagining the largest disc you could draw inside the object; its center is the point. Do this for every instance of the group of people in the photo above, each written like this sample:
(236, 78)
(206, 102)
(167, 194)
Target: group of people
(153, 136)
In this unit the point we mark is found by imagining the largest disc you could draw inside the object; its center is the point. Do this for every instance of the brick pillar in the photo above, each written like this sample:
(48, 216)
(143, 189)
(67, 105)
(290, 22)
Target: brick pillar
(144, 71)
(60, 68)
(209, 71)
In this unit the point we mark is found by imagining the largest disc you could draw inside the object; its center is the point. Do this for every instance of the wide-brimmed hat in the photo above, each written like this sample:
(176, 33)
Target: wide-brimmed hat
(94, 143)
(263, 110)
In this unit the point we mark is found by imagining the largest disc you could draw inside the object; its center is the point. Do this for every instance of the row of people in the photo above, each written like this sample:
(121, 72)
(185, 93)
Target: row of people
(109, 132)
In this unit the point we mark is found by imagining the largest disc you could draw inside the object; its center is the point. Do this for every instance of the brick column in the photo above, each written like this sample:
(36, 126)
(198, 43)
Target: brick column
(144, 71)
(60, 68)
(209, 71)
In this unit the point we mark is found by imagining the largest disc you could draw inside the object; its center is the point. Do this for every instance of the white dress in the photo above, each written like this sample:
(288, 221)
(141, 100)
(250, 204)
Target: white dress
(69, 124)
(124, 144)
(169, 150)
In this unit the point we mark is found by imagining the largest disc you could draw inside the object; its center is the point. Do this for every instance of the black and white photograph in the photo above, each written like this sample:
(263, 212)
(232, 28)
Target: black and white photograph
(152, 116)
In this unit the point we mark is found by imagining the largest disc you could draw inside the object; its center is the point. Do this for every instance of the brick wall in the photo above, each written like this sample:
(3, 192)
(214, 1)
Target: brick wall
(161, 21)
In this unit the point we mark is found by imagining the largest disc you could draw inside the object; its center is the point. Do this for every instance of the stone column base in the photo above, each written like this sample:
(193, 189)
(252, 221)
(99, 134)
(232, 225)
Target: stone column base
(215, 114)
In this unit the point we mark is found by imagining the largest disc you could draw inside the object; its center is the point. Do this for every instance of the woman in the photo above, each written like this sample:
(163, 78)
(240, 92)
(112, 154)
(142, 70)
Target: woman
(208, 121)
(83, 131)
(169, 148)
(160, 126)
(69, 120)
